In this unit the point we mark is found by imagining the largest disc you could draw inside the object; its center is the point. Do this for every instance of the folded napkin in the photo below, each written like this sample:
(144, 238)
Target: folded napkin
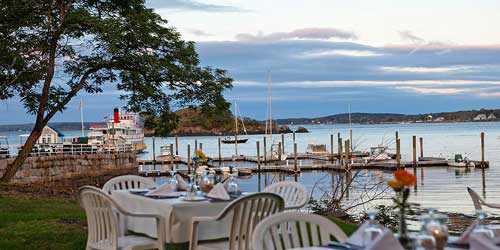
(479, 242)
(219, 192)
(181, 183)
(383, 242)
(163, 190)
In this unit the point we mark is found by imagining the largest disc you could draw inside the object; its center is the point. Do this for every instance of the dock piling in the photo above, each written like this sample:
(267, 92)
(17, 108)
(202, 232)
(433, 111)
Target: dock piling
(421, 139)
(265, 151)
(258, 156)
(293, 136)
(279, 151)
(331, 146)
(189, 158)
(350, 140)
(195, 145)
(176, 145)
(201, 146)
(414, 151)
(347, 152)
(398, 153)
(482, 150)
(220, 153)
(171, 157)
(295, 168)
(283, 143)
(154, 153)
(340, 153)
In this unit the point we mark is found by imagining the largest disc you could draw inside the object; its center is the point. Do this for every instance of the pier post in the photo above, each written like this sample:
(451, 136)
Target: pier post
(398, 153)
(340, 156)
(189, 158)
(265, 151)
(331, 146)
(295, 169)
(421, 139)
(347, 152)
(201, 146)
(171, 156)
(258, 157)
(293, 136)
(414, 151)
(482, 150)
(350, 140)
(195, 145)
(220, 153)
(154, 153)
(279, 151)
(397, 135)
(283, 143)
(176, 145)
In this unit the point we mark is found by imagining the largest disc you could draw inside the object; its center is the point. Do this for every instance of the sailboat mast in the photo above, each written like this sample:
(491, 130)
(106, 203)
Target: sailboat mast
(350, 128)
(81, 116)
(270, 106)
(236, 130)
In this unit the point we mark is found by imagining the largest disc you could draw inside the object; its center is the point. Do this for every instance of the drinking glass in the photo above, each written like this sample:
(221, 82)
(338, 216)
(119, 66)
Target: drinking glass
(232, 186)
(373, 230)
(436, 226)
(424, 240)
(207, 182)
(173, 181)
(192, 187)
(481, 228)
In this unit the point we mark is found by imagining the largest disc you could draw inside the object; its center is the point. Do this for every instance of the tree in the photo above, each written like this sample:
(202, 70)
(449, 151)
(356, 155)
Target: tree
(53, 49)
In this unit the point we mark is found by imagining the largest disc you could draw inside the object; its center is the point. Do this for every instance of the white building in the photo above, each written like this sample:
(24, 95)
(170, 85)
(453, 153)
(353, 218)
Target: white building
(49, 136)
(440, 119)
(480, 117)
(492, 117)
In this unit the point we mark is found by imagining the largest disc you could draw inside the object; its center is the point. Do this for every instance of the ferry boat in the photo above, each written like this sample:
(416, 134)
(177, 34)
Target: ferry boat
(122, 129)
(4, 147)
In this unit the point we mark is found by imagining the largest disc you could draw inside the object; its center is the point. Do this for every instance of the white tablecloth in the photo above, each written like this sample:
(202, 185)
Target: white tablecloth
(177, 213)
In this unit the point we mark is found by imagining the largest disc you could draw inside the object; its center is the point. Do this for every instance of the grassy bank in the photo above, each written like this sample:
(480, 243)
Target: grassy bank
(33, 222)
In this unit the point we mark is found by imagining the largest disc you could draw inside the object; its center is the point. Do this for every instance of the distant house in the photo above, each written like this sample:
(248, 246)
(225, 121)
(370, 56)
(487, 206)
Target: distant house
(492, 117)
(480, 117)
(440, 119)
(428, 118)
(49, 135)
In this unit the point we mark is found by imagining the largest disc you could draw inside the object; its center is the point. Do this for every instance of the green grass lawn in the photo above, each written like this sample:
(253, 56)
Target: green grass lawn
(33, 222)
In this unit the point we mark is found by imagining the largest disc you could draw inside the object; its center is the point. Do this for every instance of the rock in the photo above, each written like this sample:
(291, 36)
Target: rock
(301, 130)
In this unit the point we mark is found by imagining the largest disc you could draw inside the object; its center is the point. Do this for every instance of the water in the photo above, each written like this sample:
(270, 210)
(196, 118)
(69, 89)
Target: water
(440, 188)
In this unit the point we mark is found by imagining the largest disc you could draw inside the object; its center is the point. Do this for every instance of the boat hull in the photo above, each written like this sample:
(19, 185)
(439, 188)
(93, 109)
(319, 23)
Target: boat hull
(233, 141)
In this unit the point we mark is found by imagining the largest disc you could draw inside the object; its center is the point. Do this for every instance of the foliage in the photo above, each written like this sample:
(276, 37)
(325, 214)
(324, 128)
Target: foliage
(51, 50)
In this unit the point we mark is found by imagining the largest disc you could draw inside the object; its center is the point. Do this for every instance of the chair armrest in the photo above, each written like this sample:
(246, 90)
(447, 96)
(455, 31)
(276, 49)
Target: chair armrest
(492, 205)
(195, 221)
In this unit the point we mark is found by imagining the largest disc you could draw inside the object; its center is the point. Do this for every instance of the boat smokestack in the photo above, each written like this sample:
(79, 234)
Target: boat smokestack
(116, 115)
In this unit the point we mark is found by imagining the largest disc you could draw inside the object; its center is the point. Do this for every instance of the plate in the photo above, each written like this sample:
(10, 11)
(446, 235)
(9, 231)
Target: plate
(138, 190)
(196, 198)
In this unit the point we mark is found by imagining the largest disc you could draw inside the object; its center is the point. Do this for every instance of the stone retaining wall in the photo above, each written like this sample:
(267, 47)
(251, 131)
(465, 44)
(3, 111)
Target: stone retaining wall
(65, 173)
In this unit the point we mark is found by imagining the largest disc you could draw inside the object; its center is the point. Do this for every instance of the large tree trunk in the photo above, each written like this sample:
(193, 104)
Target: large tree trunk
(24, 153)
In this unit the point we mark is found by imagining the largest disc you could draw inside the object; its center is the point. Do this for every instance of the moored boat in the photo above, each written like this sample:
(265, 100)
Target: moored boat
(4, 147)
(459, 162)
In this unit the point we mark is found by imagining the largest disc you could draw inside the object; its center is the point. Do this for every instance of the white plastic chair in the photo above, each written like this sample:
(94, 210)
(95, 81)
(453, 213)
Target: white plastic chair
(302, 230)
(103, 231)
(126, 182)
(479, 202)
(245, 213)
(293, 193)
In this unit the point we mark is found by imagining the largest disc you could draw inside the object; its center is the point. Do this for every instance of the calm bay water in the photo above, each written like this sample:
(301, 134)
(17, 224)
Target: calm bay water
(440, 188)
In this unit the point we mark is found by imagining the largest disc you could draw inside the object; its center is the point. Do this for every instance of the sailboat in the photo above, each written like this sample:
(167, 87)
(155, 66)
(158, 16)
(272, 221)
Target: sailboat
(235, 139)
(274, 153)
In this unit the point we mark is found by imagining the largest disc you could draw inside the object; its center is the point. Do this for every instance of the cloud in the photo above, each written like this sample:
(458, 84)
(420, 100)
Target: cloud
(192, 5)
(408, 35)
(489, 94)
(356, 83)
(440, 91)
(458, 68)
(341, 52)
(306, 33)
(198, 32)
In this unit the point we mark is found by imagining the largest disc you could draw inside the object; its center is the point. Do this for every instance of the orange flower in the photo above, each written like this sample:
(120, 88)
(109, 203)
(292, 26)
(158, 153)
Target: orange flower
(405, 177)
(394, 184)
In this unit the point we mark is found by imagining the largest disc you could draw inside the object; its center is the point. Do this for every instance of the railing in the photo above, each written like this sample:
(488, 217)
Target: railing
(77, 149)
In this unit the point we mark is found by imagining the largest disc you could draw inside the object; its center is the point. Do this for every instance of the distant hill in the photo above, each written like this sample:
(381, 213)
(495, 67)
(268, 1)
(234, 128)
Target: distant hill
(369, 118)
(62, 126)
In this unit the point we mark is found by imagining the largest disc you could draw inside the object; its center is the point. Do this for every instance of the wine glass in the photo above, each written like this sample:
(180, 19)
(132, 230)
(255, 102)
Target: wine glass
(481, 228)
(192, 187)
(424, 240)
(173, 181)
(373, 230)
(232, 186)
(436, 226)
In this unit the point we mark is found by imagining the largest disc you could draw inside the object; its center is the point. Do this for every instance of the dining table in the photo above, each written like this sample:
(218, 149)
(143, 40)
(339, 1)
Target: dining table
(177, 213)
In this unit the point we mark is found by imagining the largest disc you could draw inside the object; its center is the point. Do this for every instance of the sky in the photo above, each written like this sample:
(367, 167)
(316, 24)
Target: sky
(394, 56)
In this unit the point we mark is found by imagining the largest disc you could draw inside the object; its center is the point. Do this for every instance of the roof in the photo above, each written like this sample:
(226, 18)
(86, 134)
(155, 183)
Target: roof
(57, 131)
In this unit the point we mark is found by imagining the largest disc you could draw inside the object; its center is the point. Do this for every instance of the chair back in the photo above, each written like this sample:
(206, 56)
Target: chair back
(246, 213)
(126, 182)
(476, 199)
(101, 221)
(293, 193)
(295, 230)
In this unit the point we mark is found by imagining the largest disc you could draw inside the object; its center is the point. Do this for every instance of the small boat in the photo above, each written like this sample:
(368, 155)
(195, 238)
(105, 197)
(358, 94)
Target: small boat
(165, 153)
(460, 161)
(231, 140)
(378, 153)
(4, 147)
(316, 149)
